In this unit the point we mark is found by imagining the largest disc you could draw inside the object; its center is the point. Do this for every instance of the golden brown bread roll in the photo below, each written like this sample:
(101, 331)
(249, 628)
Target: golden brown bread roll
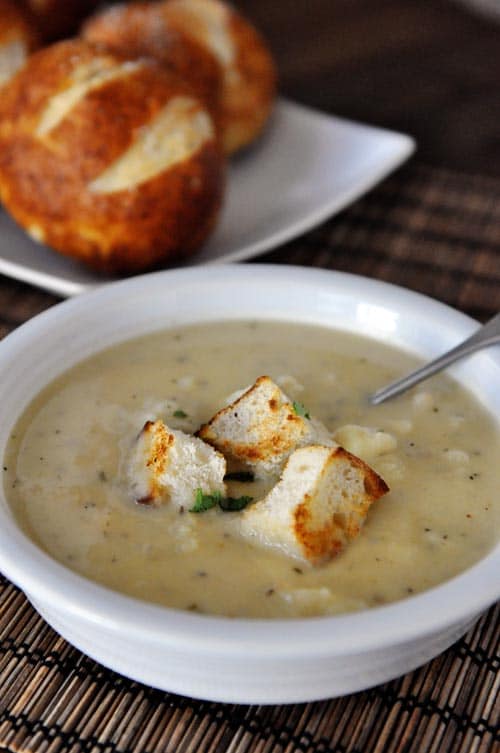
(113, 162)
(249, 76)
(57, 18)
(246, 69)
(140, 29)
(17, 39)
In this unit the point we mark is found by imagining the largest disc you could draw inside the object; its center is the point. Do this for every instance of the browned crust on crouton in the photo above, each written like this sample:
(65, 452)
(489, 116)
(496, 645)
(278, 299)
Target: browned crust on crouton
(44, 180)
(142, 29)
(276, 443)
(320, 544)
(157, 460)
(375, 486)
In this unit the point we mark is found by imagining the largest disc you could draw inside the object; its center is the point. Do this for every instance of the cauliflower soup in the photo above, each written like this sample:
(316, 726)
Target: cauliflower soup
(69, 478)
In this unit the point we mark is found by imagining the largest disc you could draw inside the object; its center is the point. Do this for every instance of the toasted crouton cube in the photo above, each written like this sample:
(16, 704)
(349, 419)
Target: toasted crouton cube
(262, 427)
(317, 507)
(169, 466)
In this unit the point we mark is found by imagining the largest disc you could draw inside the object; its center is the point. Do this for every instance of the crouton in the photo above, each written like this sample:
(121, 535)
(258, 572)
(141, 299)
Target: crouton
(262, 427)
(317, 507)
(169, 466)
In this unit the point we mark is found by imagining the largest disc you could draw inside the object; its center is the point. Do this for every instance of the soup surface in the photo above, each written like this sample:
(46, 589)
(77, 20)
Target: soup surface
(66, 478)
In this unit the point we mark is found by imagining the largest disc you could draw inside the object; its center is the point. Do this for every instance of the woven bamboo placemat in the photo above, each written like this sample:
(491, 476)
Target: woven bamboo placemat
(432, 230)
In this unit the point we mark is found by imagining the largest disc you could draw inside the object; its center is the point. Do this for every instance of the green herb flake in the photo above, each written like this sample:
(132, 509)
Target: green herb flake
(234, 504)
(204, 502)
(245, 477)
(300, 410)
(180, 414)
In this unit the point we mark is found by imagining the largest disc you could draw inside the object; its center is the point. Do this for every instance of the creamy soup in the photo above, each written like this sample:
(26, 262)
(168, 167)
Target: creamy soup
(66, 478)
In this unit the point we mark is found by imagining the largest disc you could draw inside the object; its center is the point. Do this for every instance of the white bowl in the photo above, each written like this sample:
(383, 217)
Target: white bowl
(240, 660)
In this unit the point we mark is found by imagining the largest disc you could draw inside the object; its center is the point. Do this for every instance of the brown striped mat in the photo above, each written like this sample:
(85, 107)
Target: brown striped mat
(431, 230)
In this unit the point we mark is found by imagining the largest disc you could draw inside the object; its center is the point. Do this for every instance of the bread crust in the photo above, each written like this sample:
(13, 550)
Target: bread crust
(166, 465)
(318, 506)
(280, 429)
(57, 18)
(249, 100)
(139, 29)
(320, 543)
(18, 38)
(260, 428)
(14, 22)
(157, 439)
(44, 179)
(248, 79)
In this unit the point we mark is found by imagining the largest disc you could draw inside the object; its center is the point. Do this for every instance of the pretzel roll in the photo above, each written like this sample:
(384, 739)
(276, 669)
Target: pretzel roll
(142, 29)
(57, 18)
(112, 162)
(249, 76)
(17, 40)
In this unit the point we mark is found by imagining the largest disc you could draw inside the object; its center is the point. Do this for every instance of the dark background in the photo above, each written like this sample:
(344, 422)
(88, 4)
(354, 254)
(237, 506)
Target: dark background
(427, 67)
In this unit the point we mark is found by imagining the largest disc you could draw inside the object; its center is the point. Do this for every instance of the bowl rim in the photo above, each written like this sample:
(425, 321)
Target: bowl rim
(49, 582)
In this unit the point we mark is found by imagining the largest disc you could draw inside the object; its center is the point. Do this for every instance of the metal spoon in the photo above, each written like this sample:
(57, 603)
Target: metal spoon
(488, 334)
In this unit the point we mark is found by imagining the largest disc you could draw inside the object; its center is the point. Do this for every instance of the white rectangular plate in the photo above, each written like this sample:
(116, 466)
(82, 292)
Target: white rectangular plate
(307, 167)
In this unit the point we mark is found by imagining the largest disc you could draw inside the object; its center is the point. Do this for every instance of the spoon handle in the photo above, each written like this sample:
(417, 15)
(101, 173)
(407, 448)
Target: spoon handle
(484, 337)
